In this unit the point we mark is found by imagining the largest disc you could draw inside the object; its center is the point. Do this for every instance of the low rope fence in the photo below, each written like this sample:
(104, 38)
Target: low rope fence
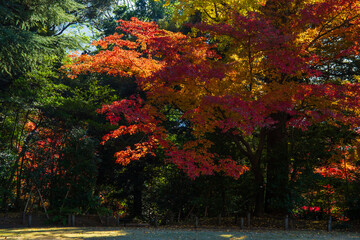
(237, 221)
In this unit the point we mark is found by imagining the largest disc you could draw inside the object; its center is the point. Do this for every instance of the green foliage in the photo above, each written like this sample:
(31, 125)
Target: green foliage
(28, 33)
(69, 172)
(67, 176)
(7, 159)
(145, 10)
(310, 150)
(353, 199)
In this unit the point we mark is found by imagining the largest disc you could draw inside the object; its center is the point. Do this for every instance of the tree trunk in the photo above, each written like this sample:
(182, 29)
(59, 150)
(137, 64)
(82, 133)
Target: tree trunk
(260, 191)
(137, 207)
(255, 157)
(9, 182)
(277, 190)
(138, 185)
(223, 197)
(19, 176)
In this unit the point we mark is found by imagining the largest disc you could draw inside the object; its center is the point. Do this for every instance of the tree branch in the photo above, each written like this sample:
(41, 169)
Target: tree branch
(64, 28)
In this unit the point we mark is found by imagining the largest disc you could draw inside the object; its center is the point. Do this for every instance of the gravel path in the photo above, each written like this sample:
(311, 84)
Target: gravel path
(166, 234)
(137, 234)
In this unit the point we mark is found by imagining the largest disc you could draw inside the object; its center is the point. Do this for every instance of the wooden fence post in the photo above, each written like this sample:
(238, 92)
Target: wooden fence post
(287, 222)
(156, 221)
(329, 224)
(219, 219)
(117, 220)
(23, 218)
(27, 203)
(29, 220)
(248, 219)
(196, 222)
(242, 222)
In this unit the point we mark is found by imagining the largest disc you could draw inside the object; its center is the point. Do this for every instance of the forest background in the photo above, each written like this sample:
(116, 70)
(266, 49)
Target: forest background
(188, 108)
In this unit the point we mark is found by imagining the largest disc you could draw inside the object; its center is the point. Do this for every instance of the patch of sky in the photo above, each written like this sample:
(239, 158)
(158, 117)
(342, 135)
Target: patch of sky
(85, 33)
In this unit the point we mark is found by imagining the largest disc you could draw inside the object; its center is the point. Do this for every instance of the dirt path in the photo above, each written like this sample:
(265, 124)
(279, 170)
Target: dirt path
(165, 234)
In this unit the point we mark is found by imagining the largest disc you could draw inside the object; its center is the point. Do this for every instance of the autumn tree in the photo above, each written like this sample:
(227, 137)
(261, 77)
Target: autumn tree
(268, 82)
(33, 45)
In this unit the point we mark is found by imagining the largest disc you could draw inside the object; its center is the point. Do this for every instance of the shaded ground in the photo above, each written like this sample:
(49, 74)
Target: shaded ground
(15, 220)
(93, 233)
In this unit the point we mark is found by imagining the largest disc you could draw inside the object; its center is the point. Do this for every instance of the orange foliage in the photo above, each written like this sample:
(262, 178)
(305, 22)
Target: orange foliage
(277, 54)
(342, 164)
(29, 126)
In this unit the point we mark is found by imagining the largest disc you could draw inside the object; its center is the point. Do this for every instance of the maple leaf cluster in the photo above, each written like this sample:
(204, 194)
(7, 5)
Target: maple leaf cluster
(141, 118)
(279, 51)
(342, 163)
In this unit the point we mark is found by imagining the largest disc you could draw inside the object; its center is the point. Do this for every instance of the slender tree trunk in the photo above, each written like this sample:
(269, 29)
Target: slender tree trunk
(137, 207)
(3, 121)
(20, 170)
(18, 140)
(138, 185)
(9, 182)
(14, 130)
(277, 186)
(259, 191)
(223, 197)
(18, 186)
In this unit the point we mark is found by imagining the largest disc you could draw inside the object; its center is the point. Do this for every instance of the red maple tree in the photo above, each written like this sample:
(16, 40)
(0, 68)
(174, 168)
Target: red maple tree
(269, 80)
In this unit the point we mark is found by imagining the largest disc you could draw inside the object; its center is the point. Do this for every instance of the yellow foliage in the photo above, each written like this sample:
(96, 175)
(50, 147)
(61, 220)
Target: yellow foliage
(213, 10)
